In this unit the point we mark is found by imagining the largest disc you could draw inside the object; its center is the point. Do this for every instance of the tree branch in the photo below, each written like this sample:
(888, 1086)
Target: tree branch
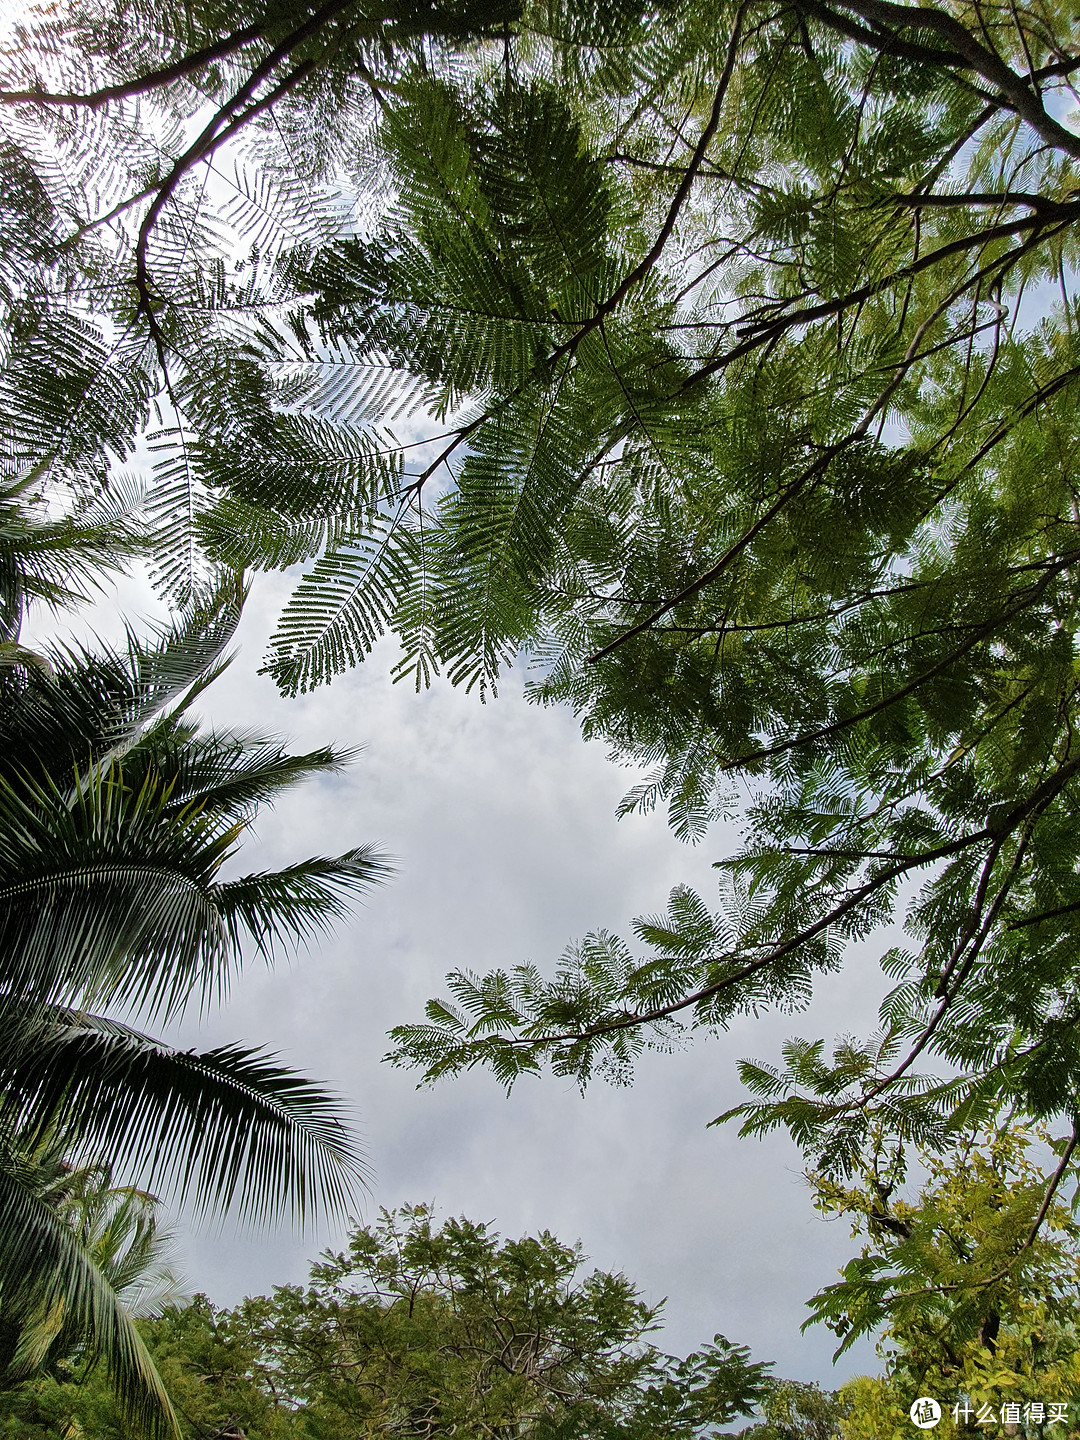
(917, 200)
(1029, 1240)
(981, 633)
(1039, 798)
(807, 477)
(885, 42)
(1044, 915)
(153, 80)
(768, 328)
(221, 126)
(1023, 99)
(619, 294)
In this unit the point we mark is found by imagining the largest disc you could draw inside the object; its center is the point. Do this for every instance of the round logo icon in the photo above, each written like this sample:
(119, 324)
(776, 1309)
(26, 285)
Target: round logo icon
(925, 1413)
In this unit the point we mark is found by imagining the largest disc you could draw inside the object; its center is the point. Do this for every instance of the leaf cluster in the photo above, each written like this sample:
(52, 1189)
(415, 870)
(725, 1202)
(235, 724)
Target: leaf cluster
(415, 1329)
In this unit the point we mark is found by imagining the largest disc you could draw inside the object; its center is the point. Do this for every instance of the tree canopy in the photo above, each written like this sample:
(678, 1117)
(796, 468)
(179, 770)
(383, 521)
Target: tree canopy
(717, 360)
(974, 1280)
(418, 1330)
(421, 1330)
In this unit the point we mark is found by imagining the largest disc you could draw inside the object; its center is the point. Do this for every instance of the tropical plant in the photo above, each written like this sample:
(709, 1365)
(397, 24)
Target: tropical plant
(796, 1410)
(57, 559)
(973, 1283)
(745, 345)
(116, 815)
(418, 1330)
(120, 1230)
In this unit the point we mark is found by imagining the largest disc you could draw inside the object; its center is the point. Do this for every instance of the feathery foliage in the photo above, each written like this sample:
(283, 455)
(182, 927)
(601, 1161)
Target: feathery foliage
(720, 360)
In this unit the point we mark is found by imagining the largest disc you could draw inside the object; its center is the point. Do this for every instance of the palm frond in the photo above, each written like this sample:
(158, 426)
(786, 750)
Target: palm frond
(44, 1269)
(300, 901)
(97, 700)
(225, 1128)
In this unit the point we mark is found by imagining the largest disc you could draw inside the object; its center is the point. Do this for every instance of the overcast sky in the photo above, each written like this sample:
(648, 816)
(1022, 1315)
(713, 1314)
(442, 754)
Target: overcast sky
(502, 822)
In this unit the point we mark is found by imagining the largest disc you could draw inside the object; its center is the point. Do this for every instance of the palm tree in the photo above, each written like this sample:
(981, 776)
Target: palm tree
(56, 554)
(117, 814)
(118, 1226)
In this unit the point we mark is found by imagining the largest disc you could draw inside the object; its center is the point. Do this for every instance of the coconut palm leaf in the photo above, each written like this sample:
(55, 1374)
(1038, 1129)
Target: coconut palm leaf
(98, 701)
(108, 896)
(229, 1127)
(105, 895)
(232, 773)
(116, 817)
(13, 655)
(108, 866)
(46, 1270)
(298, 902)
(120, 1225)
(55, 560)
(117, 1225)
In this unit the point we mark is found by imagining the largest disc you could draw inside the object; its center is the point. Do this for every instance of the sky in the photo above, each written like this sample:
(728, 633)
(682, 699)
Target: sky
(501, 820)
(502, 823)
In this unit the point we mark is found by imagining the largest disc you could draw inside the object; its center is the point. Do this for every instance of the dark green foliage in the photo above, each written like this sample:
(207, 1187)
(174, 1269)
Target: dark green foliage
(418, 1330)
(721, 362)
(119, 814)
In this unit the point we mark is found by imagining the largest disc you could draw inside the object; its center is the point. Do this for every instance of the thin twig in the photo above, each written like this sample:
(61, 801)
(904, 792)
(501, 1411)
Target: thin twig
(639, 272)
